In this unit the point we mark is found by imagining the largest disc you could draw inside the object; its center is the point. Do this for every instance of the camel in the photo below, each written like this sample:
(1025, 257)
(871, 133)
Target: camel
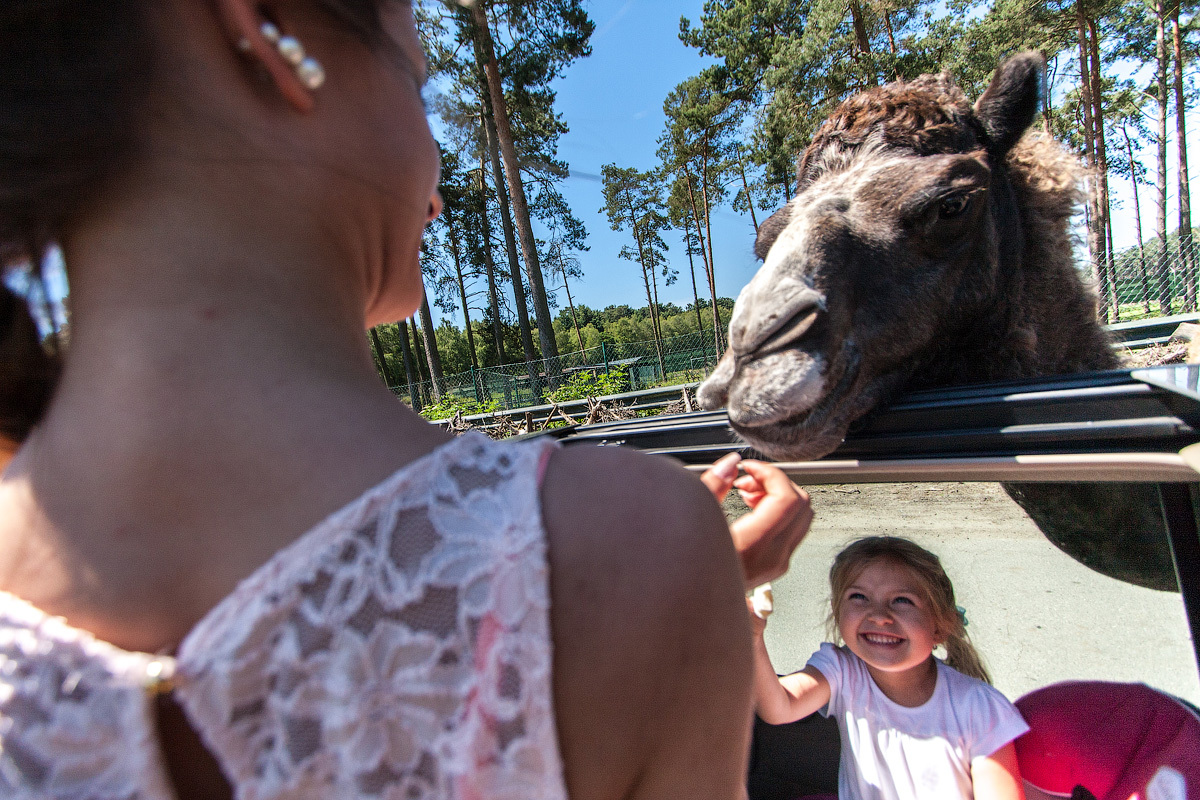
(928, 245)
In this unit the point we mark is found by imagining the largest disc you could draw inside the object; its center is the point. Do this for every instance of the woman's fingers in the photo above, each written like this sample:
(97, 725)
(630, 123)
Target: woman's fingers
(766, 537)
(750, 489)
(757, 624)
(722, 475)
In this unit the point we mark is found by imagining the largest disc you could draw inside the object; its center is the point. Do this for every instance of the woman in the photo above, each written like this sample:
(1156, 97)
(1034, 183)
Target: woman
(359, 605)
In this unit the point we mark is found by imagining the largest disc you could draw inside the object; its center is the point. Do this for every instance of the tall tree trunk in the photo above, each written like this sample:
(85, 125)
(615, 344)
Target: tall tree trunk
(1137, 220)
(462, 293)
(656, 313)
(749, 200)
(516, 186)
(1103, 207)
(388, 379)
(708, 273)
(1095, 235)
(510, 237)
(712, 270)
(452, 235)
(410, 372)
(647, 275)
(863, 42)
(650, 305)
(1112, 268)
(420, 362)
(1164, 263)
(887, 24)
(437, 381)
(489, 264)
(1187, 257)
(692, 269)
(571, 305)
(658, 331)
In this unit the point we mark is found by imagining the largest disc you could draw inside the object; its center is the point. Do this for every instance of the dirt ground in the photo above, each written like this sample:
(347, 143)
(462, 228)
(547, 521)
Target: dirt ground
(1035, 614)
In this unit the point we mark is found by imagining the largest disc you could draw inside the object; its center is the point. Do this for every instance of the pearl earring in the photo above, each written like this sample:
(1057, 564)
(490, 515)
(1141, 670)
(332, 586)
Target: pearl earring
(308, 69)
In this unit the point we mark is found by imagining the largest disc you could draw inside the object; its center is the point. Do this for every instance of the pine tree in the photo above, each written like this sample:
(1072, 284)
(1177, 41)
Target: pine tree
(633, 202)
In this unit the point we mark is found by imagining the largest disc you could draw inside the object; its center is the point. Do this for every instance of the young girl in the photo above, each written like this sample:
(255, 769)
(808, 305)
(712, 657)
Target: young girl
(912, 726)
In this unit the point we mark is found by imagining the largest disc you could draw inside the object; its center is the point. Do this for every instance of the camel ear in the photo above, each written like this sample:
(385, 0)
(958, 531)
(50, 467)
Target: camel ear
(769, 231)
(1011, 101)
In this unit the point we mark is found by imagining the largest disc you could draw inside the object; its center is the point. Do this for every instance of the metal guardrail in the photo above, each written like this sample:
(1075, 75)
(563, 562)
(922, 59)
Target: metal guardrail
(1125, 335)
(534, 418)
(1147, 332)
(1155, 410)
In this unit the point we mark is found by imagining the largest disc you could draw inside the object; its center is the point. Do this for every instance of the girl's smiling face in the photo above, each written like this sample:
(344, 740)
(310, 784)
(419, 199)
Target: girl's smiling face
(886, 620)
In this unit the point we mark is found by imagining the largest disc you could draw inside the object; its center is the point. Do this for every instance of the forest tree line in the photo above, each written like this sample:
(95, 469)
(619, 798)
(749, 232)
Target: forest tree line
(586, 330)
(505, 250)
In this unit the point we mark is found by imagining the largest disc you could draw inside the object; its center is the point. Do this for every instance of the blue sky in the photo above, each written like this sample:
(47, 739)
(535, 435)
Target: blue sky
(612, 102)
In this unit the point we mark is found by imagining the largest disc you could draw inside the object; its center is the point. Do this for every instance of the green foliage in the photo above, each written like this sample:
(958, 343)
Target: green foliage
(589, 384)
(450, 405)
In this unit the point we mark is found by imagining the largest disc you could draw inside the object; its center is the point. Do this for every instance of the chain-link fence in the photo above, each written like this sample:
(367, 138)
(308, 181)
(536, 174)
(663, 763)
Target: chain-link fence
(1150, 280)
(642, 365)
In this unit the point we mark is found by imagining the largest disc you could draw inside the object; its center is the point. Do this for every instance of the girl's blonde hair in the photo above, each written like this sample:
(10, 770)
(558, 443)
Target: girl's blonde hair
(939, 593)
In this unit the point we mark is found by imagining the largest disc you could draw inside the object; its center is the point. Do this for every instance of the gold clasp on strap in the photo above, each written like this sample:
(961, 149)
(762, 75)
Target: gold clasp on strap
(160, 676)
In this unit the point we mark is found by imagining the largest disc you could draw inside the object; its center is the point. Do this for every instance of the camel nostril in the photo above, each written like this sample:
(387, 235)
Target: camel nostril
(792, 331)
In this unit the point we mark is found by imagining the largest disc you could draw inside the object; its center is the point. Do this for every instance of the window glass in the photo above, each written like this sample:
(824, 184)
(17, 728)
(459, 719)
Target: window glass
(1035, 614)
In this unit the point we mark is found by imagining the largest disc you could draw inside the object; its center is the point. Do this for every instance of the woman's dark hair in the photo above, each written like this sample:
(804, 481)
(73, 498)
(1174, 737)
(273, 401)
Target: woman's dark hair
(72, 74)
(27, 372)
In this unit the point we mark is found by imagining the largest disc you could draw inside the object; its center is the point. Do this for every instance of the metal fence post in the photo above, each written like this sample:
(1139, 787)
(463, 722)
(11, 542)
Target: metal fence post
(604, 355)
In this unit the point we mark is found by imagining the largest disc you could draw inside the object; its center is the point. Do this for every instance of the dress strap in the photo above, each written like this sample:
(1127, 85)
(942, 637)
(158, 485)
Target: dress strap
(543, 462)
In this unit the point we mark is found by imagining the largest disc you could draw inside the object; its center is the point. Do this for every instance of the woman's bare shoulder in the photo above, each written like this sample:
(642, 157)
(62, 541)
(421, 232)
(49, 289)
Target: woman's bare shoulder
(652, 648)
(645, 518)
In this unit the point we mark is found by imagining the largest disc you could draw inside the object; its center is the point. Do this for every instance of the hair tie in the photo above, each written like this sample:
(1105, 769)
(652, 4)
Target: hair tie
(962, 615)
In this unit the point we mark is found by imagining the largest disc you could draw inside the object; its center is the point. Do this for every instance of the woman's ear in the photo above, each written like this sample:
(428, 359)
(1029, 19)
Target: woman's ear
(255, 37)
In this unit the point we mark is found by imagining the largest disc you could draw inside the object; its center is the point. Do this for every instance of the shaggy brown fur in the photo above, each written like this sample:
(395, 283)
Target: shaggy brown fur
(927, 115)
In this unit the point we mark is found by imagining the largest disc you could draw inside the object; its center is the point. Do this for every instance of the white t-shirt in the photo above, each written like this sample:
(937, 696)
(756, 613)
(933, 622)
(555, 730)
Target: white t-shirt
(890, 752)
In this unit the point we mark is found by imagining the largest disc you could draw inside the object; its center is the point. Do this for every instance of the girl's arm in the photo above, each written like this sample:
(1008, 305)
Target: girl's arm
(779, 700)
(998, 777)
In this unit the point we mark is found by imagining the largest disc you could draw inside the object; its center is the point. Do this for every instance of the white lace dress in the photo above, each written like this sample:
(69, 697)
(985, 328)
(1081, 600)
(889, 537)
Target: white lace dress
(399, 650)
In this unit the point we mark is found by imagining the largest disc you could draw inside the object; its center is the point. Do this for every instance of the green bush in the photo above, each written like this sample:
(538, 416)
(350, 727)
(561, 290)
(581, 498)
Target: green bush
(589, 384)
(450, 405)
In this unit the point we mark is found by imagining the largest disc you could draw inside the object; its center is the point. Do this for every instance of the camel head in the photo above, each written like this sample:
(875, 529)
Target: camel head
(901, 227)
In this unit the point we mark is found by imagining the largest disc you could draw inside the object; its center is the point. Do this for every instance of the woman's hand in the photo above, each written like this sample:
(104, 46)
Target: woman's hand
(758, 625)
(779, 518)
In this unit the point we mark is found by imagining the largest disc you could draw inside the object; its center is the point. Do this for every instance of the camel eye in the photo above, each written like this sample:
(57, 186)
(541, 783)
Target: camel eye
(954, 206)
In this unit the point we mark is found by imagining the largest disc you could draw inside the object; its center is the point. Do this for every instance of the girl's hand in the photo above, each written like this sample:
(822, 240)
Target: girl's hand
(779, 518)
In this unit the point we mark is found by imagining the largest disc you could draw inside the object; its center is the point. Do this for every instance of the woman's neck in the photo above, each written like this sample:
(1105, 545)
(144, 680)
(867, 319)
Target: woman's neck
(218, 382)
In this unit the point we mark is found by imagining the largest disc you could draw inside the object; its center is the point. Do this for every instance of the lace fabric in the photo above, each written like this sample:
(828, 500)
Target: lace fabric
(399, 650)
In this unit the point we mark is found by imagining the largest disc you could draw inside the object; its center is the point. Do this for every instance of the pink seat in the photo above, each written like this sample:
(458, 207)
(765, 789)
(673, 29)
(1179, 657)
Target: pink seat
(1113, 739)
